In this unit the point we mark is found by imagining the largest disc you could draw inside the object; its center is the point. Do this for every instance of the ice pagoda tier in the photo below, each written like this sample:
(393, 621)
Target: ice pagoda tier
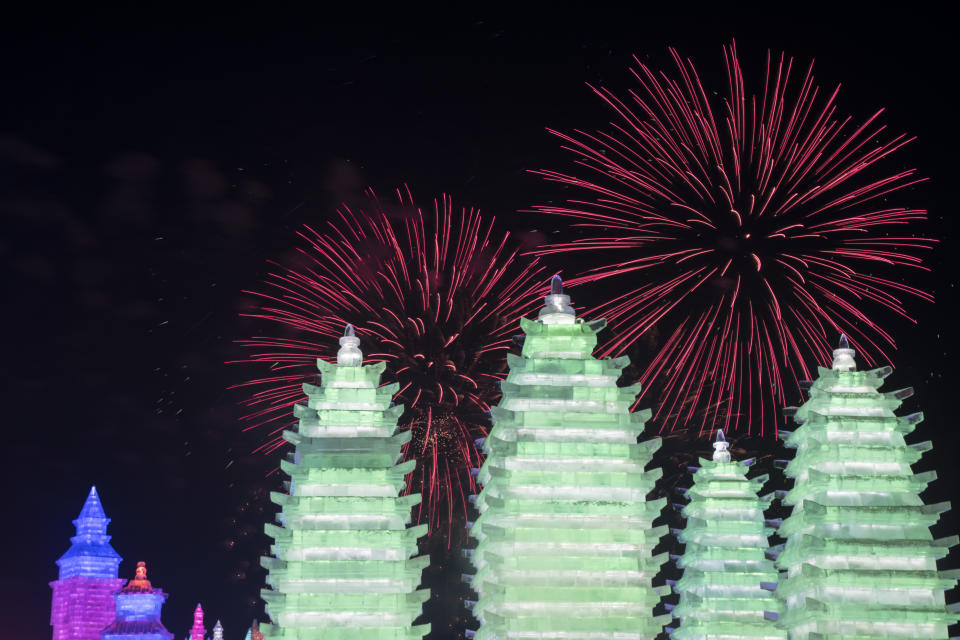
(725, 566)
(565, 535)
(83, 594)
(343, 565)
(860, 561)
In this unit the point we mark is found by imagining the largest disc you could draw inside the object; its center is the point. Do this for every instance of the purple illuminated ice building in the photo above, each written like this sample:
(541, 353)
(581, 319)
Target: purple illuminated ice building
(83, 601)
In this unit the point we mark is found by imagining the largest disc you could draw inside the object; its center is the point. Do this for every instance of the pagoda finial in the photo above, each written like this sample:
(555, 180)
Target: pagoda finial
(720, 448)
(139, 583)
(556, 285)
(557, 309)
(843, 357)
(349, 354)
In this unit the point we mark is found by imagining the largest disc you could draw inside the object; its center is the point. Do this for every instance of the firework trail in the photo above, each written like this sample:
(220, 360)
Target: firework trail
(747, 231)
(435, 294)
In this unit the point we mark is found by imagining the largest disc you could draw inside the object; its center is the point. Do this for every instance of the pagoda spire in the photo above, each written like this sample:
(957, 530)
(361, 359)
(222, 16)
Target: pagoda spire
(565, 534)
(92, 519)
(218, 631)
(198, 631)
(90, 553)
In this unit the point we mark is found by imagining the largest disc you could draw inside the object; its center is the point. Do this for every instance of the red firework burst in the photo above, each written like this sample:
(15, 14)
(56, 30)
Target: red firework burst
(436, 296)
(759, 226)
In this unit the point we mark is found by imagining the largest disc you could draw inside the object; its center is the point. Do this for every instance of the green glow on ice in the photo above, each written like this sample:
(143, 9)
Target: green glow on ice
(724, 561)
(342, 565)
(860, 560)
(565, 533)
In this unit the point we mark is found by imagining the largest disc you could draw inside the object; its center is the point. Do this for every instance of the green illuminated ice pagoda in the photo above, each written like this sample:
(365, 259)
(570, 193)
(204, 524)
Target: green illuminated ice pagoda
(726, 573)
(565, 535)
(861, 563)
(343, 566)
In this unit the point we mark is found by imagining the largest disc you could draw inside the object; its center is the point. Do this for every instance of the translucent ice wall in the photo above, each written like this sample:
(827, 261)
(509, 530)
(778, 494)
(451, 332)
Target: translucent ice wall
(342, 565)
(565, 535)
(861, 562)
(724, 562)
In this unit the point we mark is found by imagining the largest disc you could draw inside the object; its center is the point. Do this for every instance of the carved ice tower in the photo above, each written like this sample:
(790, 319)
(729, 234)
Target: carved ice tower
(860, 560)
(343, 565)
(565, 533)
(83, 594)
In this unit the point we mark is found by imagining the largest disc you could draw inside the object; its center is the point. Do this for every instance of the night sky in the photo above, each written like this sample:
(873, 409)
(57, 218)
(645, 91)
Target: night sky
(152, 164)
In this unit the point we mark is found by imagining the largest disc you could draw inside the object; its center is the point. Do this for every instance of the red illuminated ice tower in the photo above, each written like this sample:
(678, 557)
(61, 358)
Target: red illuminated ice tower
(138, 608)
(198, 631)
(83, 595)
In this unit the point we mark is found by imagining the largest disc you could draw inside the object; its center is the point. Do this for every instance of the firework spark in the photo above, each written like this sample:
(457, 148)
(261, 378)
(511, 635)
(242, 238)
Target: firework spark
(436, 295)
(755, 228)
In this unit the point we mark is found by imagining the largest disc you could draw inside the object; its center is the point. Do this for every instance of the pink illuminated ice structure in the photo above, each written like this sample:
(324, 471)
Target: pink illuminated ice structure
(138, 611)
(83, 595)
(198, 631)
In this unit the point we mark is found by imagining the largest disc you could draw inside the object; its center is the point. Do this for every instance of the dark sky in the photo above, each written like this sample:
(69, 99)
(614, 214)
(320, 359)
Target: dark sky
(152, 164)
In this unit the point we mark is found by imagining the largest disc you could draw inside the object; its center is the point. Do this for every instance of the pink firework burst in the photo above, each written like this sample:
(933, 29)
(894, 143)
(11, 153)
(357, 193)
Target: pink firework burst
(435, 294)
(748, 230)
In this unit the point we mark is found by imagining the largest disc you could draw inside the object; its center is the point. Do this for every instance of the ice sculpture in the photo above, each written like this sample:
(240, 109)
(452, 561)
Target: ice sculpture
(218, 631)
(139, 606)
(343, 566)
(860, 560)
(564, 534)
(198, 631)
(83, 595)
(724, 560)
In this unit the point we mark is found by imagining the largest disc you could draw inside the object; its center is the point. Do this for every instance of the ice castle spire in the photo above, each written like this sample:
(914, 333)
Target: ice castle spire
(92, 520)
(198, 631)
(565, 535)
(218, 631)
(83, 593)
(90, 553)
